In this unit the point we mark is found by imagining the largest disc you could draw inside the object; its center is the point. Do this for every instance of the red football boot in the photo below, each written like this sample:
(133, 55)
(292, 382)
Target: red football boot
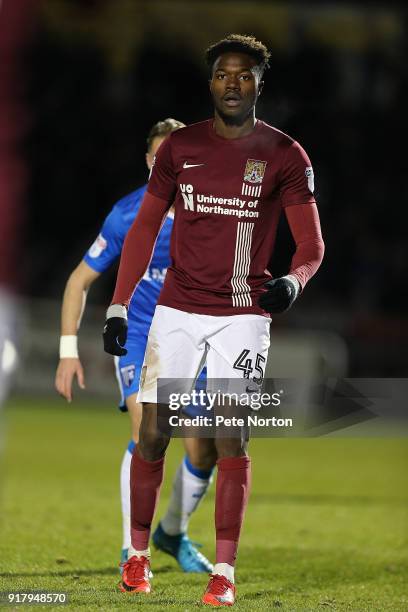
(220, 592)
(135, 576)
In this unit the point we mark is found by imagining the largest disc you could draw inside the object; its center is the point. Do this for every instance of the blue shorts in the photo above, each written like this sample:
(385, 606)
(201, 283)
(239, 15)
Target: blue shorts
(129, 367)
(128, 370)
(194, 410)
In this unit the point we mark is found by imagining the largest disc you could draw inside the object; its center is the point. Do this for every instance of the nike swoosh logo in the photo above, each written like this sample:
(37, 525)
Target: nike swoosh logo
(186, 165)
(249, 390)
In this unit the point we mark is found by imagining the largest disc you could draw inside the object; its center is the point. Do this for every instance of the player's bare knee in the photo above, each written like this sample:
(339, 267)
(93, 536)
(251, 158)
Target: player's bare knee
(152, 442)
(135, 413)
(231, 447)
(201, 453)
(202, 462)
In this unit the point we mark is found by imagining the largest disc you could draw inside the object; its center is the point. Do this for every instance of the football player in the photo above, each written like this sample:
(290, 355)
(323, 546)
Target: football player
(193, 475)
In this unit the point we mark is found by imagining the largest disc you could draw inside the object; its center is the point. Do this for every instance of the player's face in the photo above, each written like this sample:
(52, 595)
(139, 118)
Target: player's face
(235, 86)
(153, 150)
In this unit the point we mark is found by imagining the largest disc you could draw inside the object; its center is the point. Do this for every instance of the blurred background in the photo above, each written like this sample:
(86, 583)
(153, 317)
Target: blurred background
(82, 81)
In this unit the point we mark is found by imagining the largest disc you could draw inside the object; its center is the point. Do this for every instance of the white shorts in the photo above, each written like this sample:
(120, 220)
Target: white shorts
(234, 348)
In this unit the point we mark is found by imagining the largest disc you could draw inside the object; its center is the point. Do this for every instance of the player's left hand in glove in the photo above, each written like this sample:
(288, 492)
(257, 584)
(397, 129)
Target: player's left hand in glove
(280, 294)
(115, 330)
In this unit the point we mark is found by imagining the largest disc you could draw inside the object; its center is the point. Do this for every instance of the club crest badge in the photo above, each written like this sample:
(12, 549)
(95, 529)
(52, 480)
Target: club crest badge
(128, 375)
(254, 171)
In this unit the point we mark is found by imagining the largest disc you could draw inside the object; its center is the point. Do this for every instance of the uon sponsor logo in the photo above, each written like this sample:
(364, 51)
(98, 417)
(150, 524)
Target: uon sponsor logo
(188, 196)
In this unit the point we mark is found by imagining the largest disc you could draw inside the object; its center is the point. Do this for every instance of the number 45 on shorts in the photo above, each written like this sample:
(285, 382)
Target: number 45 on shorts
(245, 364)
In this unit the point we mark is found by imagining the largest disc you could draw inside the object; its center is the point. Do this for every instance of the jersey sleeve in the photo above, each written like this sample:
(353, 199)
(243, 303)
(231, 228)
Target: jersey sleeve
(107, 246)
(304, 224)
(162, 182)
(297, 179)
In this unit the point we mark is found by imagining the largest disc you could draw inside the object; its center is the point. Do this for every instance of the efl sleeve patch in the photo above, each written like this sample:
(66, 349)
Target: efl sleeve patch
(310, 178)
(297, 178)
(163, 181)
(98, 247)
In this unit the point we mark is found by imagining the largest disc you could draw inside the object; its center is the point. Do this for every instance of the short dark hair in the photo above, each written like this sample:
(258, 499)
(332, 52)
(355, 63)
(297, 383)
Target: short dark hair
(163, 128)
(239, 43)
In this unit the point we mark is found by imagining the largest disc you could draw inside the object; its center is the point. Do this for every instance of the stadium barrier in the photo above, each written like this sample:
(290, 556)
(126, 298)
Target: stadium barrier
(304, 354)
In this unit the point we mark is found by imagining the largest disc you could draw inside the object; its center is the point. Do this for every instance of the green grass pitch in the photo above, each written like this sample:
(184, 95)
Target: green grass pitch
(326, 527)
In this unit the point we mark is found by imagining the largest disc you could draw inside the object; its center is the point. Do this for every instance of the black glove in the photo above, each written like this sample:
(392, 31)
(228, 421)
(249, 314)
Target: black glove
(280, 294)
(115, 330)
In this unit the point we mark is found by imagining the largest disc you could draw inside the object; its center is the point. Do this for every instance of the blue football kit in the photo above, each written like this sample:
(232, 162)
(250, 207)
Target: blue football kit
(102, 254)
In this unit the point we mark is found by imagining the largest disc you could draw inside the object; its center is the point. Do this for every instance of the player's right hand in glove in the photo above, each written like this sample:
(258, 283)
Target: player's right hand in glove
(115, 330)
(280, 294)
